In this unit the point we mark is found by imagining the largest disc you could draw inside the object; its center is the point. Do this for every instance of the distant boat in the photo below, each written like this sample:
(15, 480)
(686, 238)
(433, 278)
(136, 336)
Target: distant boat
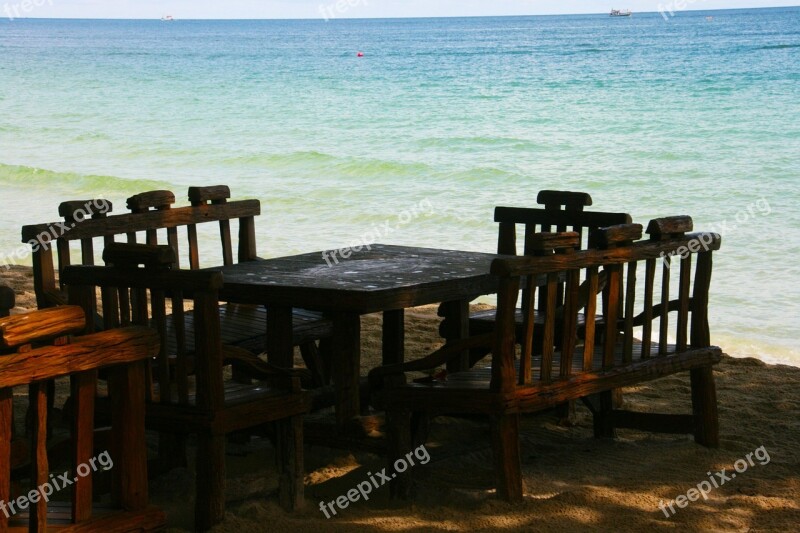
(167, 18)
(709, 18)
(621, 13)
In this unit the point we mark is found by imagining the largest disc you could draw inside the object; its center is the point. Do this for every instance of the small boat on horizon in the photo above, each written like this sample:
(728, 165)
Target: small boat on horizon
(621, 13)
(167, 18)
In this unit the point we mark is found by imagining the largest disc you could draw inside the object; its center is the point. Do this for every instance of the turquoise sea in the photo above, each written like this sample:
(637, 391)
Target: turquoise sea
(441, 120)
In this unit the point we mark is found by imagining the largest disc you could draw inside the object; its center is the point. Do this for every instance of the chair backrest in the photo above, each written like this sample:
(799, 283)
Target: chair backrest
(615, 341)
(26, 360)
(130, 294)
(7, 300)
(563, 211)
(152, 213)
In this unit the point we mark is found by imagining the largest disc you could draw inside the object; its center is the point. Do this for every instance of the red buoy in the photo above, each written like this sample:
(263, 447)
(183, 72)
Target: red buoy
(360, 54)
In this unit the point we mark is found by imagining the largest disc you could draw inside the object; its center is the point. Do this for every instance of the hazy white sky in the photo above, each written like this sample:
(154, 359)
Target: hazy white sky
(223, 9)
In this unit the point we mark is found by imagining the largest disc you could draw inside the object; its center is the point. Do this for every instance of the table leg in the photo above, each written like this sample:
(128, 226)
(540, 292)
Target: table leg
(280, 349)
(455, 326)
(393, 336)
(346, 365)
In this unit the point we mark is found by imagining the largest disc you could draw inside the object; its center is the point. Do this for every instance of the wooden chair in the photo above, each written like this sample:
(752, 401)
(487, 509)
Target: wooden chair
(7, 301)
(205, 404)
(586, 368)
(242, 325)
(26, 358)
(154, 219)
(563, 211)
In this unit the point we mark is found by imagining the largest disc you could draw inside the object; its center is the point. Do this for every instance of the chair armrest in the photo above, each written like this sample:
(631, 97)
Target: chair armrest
(438, 358)
(41, 326)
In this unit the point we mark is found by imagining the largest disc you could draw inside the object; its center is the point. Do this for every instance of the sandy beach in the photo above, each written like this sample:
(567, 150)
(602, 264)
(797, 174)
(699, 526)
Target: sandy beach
(573, 481)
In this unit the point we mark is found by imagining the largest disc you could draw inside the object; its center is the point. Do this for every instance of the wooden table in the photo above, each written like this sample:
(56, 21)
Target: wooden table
(379, 278)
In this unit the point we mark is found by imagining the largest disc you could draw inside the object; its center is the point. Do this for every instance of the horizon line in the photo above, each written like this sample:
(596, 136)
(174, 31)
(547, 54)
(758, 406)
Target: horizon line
(400, 18)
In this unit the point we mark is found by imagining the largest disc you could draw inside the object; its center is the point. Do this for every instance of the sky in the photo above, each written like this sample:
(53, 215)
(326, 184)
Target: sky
(331, 9)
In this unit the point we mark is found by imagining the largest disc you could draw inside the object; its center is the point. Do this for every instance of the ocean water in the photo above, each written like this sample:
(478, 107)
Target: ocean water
(441, 120)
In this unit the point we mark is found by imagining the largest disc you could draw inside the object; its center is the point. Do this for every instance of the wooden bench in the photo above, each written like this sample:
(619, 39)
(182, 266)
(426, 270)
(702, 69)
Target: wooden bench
(584, 367)
(205, 404)
(35, 348)
(153, 219)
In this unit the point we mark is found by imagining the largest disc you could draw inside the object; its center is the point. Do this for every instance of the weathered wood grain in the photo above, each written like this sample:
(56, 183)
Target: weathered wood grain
(506, 451)
(120, 350)
(700, 334)
(85, 353)
(544, 242)
(84, 389)
(660, 228)
(6, 435)
(68, 209)
(291, 463)
(135, 222)
(23, 329)
(663, 320)
(40, 468)
(214, 193)
(145, 201)
(615, 235)
(589, 258)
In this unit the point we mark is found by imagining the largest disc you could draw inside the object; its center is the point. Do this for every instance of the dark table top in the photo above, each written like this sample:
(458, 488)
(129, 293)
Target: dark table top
(378, 278)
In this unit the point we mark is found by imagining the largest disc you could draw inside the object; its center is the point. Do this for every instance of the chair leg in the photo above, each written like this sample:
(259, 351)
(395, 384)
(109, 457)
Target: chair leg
(603, 424)
(508, 465)
(326, 358)
(704, 407)
(398, 429)
(289, 444)
(210, 468)
(171, 451)
(420, 428)
(565, 413)
(618, 398)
